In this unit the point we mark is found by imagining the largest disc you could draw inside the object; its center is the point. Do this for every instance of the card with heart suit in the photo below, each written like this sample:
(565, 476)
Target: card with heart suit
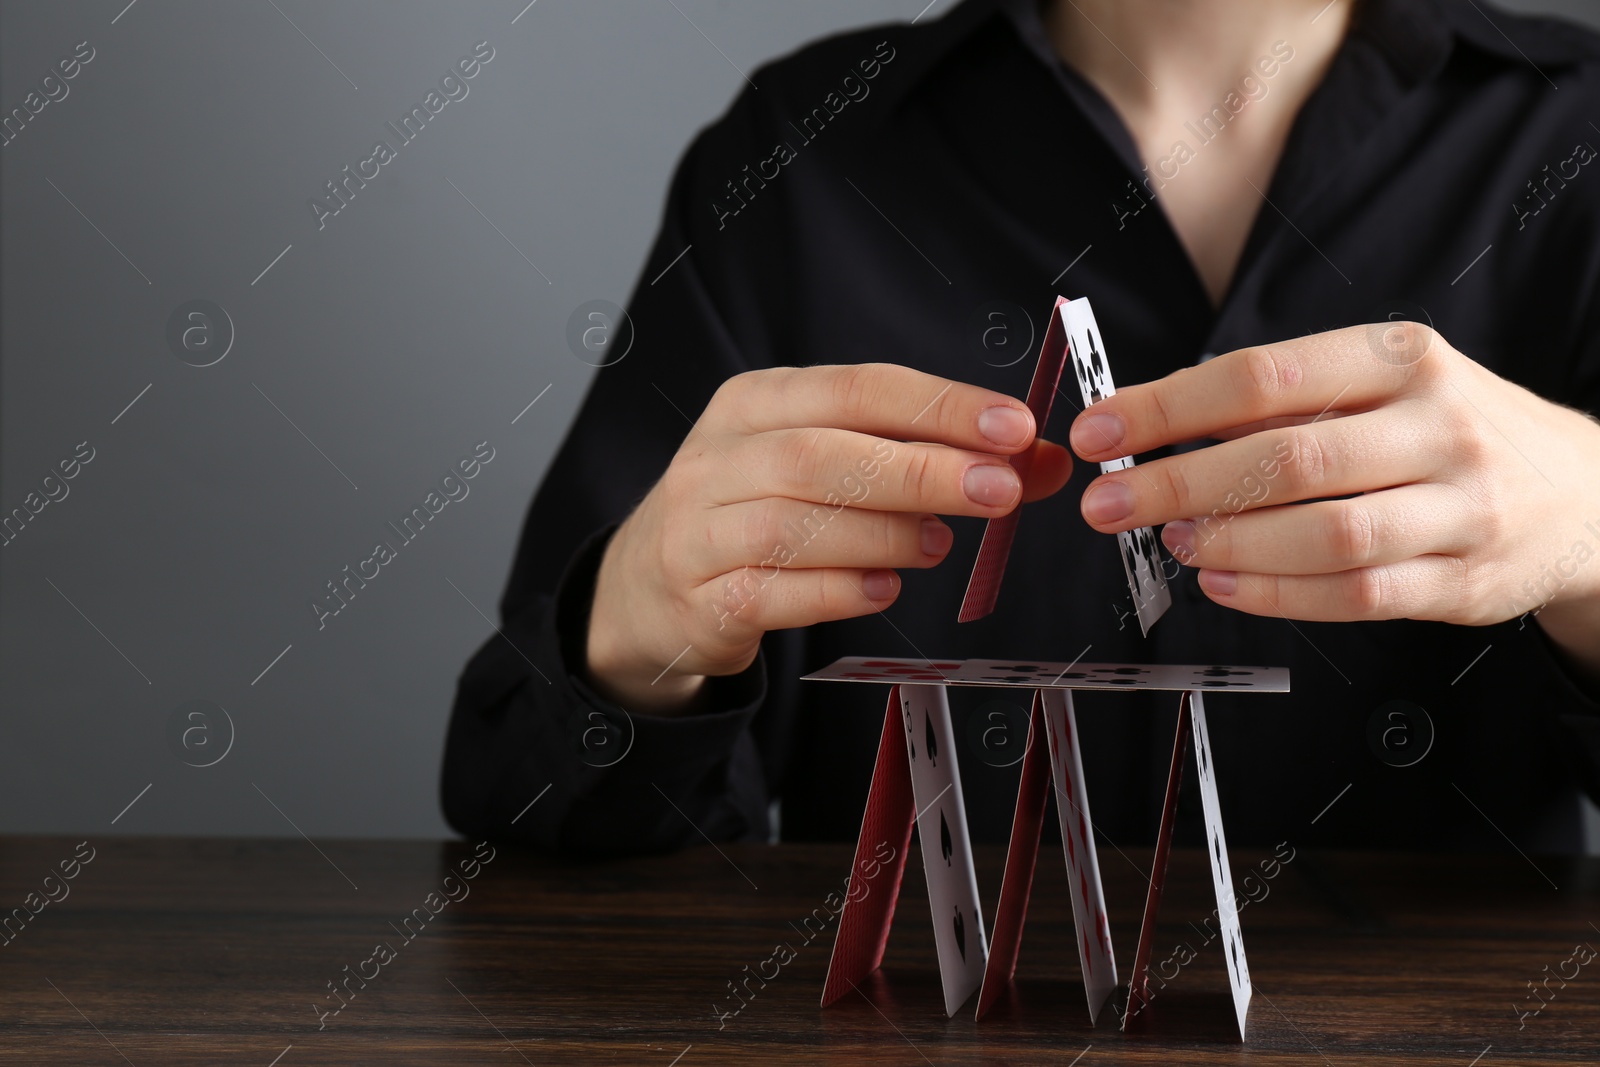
(983, 588)
(946, 847)
(1141, 559)
(1077, 840)
(1227, 913)
(863, 931)
(1039, 674)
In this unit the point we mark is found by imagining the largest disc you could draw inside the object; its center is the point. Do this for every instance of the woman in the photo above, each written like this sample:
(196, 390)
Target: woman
(1377, 217)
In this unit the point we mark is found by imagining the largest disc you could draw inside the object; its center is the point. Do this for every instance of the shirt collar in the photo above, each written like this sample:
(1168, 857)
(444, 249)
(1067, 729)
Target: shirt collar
(1417, 37)
(1543, 42)
(926, 45)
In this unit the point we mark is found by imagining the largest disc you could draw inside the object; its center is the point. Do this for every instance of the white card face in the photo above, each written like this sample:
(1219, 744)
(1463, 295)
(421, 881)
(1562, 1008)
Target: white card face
(1141, 563)
(879, 669)
(1086, 352)
(1141, 559)
(946, 848)
(1042, 674)
(1031, 673)
(1221, 875)
(1083, 863)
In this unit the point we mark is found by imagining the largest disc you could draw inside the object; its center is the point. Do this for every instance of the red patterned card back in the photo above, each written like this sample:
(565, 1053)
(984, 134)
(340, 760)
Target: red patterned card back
(983, 588)
(863, 931)
(1022, 856)
(1139, 985)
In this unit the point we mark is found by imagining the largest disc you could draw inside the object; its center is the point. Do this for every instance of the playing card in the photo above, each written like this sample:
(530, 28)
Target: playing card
(1141, 560)
(1031, 673)
(983, 588)
(1042, 674)
(880, 669)
(1022, 856)
(1139, 985)
(946, 848)
(1077, 838)
(863, 929)
(1086, 351)
(1221, 875)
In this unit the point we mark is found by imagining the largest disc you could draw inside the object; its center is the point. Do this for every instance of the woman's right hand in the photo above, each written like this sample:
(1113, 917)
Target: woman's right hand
(792, 501)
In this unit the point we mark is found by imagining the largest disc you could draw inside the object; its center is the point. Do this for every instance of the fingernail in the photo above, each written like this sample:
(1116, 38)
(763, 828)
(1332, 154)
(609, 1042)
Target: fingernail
(879, 585)
(1099, 432)
(1108, 502)
(1006, 426)
(1221, 583)
(936, 537)
(1179, 539)
(990, 484)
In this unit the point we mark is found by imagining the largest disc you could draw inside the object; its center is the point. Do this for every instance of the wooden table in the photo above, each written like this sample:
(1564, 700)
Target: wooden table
(176, 951)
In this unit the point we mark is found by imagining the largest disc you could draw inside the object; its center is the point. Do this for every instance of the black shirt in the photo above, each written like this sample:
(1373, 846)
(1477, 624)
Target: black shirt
(877, 198)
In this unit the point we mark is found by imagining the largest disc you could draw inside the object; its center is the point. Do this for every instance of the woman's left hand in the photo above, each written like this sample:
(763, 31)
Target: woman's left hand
(1367, 473)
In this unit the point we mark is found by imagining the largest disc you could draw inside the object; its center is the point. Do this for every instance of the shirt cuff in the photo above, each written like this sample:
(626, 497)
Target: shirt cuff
(1581, 698)
(667, 747)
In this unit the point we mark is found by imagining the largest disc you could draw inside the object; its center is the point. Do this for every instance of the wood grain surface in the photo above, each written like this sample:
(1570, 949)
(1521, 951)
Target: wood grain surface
(176, 951)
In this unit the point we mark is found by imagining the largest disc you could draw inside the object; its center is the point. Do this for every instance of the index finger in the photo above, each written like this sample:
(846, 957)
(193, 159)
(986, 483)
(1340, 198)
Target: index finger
(882, 399)
(1301, 378)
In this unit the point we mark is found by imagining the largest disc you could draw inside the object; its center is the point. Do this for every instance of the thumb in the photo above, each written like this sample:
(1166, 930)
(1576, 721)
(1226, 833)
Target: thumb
(1052, 467)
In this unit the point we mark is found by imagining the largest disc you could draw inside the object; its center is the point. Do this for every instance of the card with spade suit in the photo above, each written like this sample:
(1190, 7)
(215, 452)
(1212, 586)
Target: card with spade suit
(1192, 732)
(1141, 559)
(946, 847)
(1071, 338)
(1077, 840)
(916, 781)
(1232, 939)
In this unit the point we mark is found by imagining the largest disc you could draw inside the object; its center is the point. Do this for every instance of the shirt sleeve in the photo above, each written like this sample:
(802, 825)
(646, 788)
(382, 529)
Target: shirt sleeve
(1578, 698)
(535, 755)
(532, 753)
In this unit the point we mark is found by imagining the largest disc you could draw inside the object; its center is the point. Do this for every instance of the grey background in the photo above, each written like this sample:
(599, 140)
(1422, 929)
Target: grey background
(185, 556)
